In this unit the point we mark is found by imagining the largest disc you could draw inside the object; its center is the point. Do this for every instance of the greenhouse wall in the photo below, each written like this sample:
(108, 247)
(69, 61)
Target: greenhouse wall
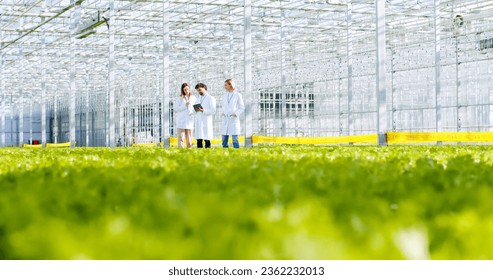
(107, 72)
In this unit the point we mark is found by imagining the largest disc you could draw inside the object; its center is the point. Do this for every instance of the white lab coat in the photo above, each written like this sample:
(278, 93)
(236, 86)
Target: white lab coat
(232, 104)
(203, 120)
(184, 114)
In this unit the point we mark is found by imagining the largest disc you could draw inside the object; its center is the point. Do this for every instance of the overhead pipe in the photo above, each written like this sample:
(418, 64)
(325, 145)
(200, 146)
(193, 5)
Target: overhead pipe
(78, 2)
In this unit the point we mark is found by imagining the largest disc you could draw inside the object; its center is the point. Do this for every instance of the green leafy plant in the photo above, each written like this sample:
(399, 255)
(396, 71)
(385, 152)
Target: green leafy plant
(290, 202)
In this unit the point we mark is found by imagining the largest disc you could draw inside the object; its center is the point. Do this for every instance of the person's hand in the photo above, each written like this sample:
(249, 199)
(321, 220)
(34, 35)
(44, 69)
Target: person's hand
(201, 109)
(188, 103)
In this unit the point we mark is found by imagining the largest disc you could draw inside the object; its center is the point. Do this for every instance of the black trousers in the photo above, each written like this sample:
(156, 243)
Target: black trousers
(207, 143)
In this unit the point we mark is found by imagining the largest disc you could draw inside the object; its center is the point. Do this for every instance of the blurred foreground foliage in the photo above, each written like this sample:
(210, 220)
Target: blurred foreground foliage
(416, 202)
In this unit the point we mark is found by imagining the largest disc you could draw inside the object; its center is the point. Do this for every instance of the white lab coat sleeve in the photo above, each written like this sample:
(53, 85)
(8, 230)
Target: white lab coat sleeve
(225, 104)
(196, 101)
(180, 106)
(241, 107)
(191, 110)
(212, 107)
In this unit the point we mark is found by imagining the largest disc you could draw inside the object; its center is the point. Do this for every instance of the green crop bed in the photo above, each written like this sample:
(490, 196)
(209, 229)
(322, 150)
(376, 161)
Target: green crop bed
(261, 203)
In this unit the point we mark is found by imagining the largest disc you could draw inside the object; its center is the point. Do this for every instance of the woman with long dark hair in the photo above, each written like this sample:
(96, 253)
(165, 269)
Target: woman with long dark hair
(185, 116)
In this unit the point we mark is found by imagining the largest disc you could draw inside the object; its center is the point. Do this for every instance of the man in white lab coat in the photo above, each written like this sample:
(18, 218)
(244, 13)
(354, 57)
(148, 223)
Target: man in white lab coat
(233, 107)
(203, 117)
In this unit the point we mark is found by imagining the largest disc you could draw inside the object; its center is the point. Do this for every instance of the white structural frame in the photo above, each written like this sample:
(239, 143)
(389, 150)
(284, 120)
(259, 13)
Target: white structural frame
(105, 72)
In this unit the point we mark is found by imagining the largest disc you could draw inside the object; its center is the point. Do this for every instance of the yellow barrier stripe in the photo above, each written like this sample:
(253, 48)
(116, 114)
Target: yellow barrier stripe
(392, 138)
(256, 139)
(423, 137)
(369, 139)
(173, 142)
(58, 145)
(36, 146)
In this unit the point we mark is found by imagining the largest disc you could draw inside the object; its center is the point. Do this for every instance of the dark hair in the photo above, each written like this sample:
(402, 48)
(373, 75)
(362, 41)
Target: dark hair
(201, 85)
(231, 83)
(182, 87)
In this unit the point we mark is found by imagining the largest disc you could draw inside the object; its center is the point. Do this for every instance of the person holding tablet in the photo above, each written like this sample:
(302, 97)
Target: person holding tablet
(205, 108)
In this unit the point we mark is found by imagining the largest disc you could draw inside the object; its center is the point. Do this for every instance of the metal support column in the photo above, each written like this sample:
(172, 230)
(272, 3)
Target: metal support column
(438, 117)
(130, 120)
(283, 75)
(339, 97)
(12, 111)
(21, 98)
(231, 52)
(87, 107)
(30, 121)
(3, 108)
(155, 106)
(111, 75)
(43, 84)
(165, 112)
(393, 90)
(380, 74)
(55, 118)
(75, 17)
(191, 79)
(457, 83)
(21, 119)
(350, 67)
(247, 61)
